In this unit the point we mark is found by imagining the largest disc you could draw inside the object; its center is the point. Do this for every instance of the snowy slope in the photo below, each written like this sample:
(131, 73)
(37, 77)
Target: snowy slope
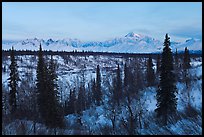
(130, 43)
(96, 118)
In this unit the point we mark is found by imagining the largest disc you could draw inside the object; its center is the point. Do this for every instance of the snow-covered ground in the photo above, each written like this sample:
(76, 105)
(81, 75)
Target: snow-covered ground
(71, 72)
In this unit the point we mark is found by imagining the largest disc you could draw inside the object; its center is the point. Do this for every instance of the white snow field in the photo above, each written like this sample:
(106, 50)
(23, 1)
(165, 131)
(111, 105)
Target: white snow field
(96, 120)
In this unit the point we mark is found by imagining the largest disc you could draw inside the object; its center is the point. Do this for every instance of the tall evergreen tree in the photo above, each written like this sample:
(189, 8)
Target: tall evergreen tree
(166, 94)
(150, 73)
(186, 76)
(126, 80)
(89, 98)
(70, 105)
(114, 97)
(53, 78)
(93, 89)
(55, 116)
(118, 86)
(98, 94)
(186, 60)
(81, 99)
(47, 93)
(13, 82)
(41, 86)
(138, 83)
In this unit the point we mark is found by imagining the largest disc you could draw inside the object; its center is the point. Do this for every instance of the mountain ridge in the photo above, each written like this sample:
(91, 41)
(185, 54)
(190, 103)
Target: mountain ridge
(130, 43)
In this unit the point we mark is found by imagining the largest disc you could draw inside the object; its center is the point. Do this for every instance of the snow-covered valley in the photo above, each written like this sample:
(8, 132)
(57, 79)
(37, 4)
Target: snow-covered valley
(71, 70)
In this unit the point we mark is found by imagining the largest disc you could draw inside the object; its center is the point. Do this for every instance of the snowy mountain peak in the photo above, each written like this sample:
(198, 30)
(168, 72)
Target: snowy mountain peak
(132, 34)
(131, 43)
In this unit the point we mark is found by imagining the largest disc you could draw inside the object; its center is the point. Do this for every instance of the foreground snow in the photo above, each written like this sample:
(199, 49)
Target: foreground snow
(96, 120)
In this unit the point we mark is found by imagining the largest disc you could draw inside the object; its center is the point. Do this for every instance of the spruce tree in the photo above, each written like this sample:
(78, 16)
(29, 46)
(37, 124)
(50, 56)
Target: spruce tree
(81, 99)
(98, 94)
(138, 83)
(186, 60)
(55, 110)
(166, 93)
(70, 104)
(126, 80)
(13, 82)
(114, 97)
(89, 98)
(118, 88)
(128, 83)
(53, 78)
(186, 67)
(47, 93)
(93, 89)
(42, 88)
(150, 73)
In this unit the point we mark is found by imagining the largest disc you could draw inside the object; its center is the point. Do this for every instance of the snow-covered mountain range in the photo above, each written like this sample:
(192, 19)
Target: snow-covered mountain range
(130, 43)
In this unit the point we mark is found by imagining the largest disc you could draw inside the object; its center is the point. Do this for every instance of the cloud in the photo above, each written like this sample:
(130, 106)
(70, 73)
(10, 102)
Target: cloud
(187, 32)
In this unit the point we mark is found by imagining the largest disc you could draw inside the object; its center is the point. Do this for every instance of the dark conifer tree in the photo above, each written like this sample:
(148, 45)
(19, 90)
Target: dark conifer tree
(70, 107)
(80, 106)
(55, 109)
(53, 79)
(47, 93)
(126, 81)
(166, 93)
(41, 86)
(72, 101)
(150, 73)
(138, 83)
(186, 60)
(89, 98)
(93, 89)
(13, 82)
(186, 66)
(118, 88)
(98, 95)
(114, 96)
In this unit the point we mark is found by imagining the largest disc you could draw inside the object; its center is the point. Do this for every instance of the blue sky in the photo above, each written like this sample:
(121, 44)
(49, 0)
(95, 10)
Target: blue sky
(99, 21)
